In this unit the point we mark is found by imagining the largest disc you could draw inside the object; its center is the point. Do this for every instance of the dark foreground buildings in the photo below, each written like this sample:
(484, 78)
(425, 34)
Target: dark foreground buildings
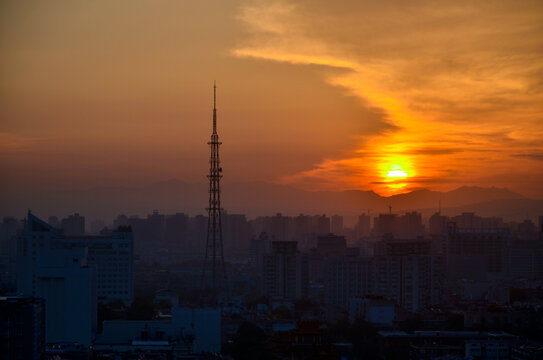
(22, 329)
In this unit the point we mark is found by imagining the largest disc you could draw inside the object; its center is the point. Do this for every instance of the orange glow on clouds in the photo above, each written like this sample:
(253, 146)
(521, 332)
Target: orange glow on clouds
(316, 94)
(461, 111)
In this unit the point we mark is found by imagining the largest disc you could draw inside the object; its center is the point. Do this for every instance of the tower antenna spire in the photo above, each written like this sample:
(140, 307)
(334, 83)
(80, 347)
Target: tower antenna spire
(214, 107)
(214, 255)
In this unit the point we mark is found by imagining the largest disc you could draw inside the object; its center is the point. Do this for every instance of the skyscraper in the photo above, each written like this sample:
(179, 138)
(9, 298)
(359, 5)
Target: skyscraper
(285, 272)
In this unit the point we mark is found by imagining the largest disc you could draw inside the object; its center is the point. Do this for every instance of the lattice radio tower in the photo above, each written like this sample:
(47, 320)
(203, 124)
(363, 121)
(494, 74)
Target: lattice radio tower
(214, 255)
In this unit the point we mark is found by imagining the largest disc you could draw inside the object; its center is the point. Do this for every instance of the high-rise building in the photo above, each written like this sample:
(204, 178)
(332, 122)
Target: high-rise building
(468, 221)
(346, 278)
(474, 253)
(397, 247)
(197, 234)
(121, 220)
(176, 235)
(51, 267)
(148, 234)
(363, 226)
(8, 250)
(405, 226)
(385, 224)
(236, 232)
(285, 272)
(278, 227)
(73, 225)
(437, 224)
(301, 227)
(329, 248)
(22, 334)
(96, 226)
(524, 258)
(336, 224)
(259, 247)
(323, 224)
(410, 225)
(407, 272)
(331, 245)
(404, 271)
(414, 282)
(109, 256)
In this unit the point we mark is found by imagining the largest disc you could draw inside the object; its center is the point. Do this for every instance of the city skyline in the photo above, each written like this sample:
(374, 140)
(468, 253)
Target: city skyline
(381, 195)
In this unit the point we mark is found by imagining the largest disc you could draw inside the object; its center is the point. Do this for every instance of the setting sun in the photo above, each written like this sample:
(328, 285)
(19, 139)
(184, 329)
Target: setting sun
(396, 174)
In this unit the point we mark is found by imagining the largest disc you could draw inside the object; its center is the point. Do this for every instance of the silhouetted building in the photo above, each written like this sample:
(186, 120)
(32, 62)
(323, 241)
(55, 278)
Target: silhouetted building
(236, 232)
(22, 333)
(51, 267)
(336, 224)
(97, 226)
(410, 225)
(468, 221)
(278, 229)
(437, 224)
(302, 230)
(323, 225)
(363, 226)
(401, 247)
(329, 248)
(331, 245)
(346, 278)
(176, 233)
(474, 253)
(148, 235)
(197, 235)
(8, 250)
(285, 272)
(121, 220)
(189, 331)
(406, 226)
(372, 310)
(385, 224)
(259, 247)
(399, 345)
(109, 256)
(526, 230)
(523, 258)
(407, 272)
(73, 225)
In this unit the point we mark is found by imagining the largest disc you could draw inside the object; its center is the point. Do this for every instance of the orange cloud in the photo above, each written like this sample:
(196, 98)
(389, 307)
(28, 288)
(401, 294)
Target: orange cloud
(461, 101)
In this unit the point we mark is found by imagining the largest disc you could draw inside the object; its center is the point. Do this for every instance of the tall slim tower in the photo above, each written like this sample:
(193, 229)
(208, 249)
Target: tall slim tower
(214, 256)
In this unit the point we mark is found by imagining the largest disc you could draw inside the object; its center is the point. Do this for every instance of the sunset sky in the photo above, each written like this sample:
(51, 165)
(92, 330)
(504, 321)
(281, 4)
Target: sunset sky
(388, 96)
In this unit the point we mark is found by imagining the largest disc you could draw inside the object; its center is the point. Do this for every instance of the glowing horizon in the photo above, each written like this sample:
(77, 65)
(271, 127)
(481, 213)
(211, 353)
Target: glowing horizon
(316, 95)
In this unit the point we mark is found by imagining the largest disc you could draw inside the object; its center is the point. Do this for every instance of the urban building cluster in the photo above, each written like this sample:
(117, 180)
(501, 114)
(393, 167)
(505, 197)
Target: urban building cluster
(463, 286)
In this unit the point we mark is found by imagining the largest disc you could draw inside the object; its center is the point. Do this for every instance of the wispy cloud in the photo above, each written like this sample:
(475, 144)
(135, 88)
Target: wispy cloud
(455, 80)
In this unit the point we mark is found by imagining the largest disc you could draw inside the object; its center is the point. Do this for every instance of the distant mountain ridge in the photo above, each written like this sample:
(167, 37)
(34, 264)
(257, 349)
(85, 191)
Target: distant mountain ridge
(261, 198)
